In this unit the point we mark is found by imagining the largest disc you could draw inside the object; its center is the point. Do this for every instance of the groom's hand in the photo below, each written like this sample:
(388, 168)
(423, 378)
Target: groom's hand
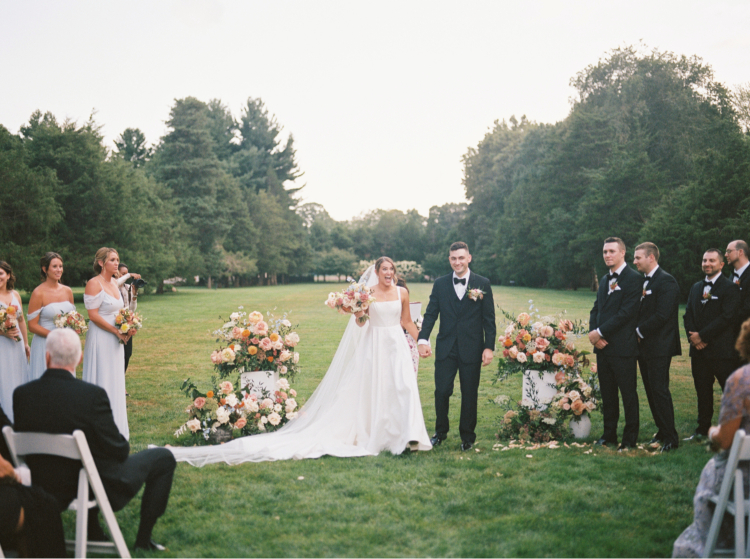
(487, 356)
(424, 350)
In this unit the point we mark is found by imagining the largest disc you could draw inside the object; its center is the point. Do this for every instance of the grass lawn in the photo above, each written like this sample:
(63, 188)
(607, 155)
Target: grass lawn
(560, 503)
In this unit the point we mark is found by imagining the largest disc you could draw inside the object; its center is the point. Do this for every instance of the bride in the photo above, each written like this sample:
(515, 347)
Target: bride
(368, 400)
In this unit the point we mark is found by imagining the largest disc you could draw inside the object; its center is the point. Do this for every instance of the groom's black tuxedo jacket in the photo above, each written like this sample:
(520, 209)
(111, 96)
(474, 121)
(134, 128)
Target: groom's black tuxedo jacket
(715, 320)
(616, 314)
(58, 403)
(744, 309)
(658, 320)
(469, 323)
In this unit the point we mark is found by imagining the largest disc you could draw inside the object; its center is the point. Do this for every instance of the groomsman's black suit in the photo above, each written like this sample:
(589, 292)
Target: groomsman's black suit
(659, 328)
(467, 328)
(59, 403)
(744, 309)
(715, 320)
(615, 316)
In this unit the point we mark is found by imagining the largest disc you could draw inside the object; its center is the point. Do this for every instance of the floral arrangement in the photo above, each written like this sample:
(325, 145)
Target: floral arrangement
(256, 344)
(73, 320)
(522, 421)
(249, 342)
(9, 320)
(227, 409)
(576, 395)
(476, 294)
(539, 343)
(127, 320)
(355, 298)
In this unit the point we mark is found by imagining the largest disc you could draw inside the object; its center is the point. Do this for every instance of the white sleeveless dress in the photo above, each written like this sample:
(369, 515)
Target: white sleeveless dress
(367, 402)
(13, 366)
(47, 314)
(104, 357)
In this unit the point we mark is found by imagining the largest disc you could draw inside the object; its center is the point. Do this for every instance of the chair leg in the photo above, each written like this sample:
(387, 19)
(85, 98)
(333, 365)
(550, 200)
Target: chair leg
(739, 514)
(82, 514)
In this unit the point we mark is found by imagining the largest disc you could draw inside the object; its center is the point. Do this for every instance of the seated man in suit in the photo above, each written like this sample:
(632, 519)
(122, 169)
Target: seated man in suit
(58, 403)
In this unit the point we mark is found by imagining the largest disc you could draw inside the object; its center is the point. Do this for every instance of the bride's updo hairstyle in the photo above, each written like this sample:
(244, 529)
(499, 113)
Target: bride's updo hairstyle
(101, 256)
(45, 261)
(379, 263)
(743, 341)
(10, 284)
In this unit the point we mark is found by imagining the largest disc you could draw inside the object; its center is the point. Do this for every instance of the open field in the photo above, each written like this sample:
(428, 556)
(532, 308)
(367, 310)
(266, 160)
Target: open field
(560, 502)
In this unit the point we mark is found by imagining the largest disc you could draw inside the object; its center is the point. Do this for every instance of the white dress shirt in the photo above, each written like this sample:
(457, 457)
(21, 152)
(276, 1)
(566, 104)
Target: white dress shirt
(618, 271)
(738, 273)
(460, 292)
(647, 277)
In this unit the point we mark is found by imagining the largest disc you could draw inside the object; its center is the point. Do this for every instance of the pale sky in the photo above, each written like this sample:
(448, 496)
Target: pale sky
(383, 98)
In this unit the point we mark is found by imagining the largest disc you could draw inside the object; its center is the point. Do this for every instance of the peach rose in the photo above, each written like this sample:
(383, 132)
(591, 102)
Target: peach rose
(565, 325)
(254, 317)
(569, 361)
(513, 352)
(261, 329)
(291, 339)
(559, 375)
(593, 367)
(240, 423)
(266, 344)
(216, 357)
(226, 387)
(558, 359)
(282, 369)
(521, 358)
(274, 418)
(538, 357)
(578, 407)
(285, 356)
(293, 393)
(236, 333)
(546, 331)
(542, 344)
(523, 319)
(199, 402)
(193, 425)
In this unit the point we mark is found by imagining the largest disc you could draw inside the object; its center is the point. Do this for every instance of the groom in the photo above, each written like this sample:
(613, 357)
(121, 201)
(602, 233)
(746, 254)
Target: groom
(465, 342)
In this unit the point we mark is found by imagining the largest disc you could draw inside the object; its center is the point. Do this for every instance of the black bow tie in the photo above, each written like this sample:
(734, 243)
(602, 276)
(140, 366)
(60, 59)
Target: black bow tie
(648, 279)
(613, 275)
(462, 281)
(706, 282)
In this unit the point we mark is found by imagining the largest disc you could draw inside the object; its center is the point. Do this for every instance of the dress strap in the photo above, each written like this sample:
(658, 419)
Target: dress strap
(398, 290)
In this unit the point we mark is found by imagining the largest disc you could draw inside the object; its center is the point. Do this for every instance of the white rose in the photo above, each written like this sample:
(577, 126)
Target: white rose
(252, 406)
(526, 403)
(291, 339)
(509, 330)
(264, 419)
(227, 355)
(521, 357)
(291, 415)
(295, 359)
(278, 345)
(549, 420)
(274, 418)
(277, 407)
(285, 356)
(234, 316)
(282, 369)
(537, 326)
(194, 425)
(286, 323)
(538, 357)
(262, 427)
(291, 403)
(222, 415)
(232, 400)
(282, 384)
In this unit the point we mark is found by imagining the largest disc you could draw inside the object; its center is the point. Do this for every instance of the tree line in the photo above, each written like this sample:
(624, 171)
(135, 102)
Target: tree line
(654, 148)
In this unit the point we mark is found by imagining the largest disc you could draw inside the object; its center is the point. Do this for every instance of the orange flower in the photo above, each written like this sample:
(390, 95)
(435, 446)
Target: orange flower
(274, 337)
(223, 401)
(252, 350)
(210, 394)
(11, 309)
(270, 358)
(508, 342)
(246, 333)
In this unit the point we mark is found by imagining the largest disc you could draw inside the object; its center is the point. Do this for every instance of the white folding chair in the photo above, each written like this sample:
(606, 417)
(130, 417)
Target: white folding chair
(733, 479)
(75, 447)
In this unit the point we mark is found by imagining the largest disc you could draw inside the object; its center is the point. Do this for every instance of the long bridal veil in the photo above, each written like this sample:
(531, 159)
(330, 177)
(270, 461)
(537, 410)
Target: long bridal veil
(321, 426)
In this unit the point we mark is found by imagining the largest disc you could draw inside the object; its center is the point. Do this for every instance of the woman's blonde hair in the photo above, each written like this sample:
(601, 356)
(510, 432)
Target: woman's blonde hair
(101, 256)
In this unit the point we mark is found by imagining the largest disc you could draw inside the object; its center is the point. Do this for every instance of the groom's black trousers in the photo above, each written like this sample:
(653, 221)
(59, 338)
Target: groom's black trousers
(445, 375)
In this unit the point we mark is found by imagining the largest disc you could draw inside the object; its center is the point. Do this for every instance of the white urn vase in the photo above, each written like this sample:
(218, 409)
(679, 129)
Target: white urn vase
(581, 426)
(539, 387)
(257, 381)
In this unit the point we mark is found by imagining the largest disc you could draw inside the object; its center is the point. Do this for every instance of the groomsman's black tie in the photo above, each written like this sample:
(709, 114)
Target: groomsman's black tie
(462, 281)
(736, 278)
(613, 275)
(706, 282)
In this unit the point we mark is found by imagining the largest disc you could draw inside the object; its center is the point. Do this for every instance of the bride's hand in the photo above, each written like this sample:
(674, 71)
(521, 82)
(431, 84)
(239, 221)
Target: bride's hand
(123, 337)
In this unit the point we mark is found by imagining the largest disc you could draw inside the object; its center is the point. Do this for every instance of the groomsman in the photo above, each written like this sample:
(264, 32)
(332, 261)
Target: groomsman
(710, 322)
(613, 322)
(658, 340)
(737, 257)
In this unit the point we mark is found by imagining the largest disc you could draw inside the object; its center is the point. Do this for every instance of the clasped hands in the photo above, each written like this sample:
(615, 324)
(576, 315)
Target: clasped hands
(596, 340)
(695, 340)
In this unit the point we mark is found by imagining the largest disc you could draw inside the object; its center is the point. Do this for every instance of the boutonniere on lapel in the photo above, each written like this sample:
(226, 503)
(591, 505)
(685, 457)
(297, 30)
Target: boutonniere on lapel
(613, 285)
(707, 296)
(475, 294)
(643, 295)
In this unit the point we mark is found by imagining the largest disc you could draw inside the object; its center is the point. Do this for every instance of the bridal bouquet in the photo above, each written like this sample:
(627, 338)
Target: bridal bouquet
(9, 320)
(226, 409)
(540, 343)
(127, 320)
(73, 320)
(256, 344)
(355, 298)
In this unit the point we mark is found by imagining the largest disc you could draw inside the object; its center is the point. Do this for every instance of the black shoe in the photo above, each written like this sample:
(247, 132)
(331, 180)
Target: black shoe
(435, 440)
(466, 445)
(668, 447)
(697, 436)
(150, 546)
(655, 439)
(604, 442)
(625, 447)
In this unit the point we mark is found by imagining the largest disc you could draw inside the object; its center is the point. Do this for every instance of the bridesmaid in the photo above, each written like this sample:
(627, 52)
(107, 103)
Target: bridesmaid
(13, 354)
(104, 355)
(49, 299)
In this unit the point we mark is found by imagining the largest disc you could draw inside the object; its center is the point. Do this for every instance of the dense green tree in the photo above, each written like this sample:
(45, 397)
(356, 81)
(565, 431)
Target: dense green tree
(131, 146)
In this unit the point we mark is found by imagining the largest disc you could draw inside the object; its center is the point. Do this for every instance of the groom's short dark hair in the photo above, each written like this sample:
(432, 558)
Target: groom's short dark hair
(617, 240)
(458, 245)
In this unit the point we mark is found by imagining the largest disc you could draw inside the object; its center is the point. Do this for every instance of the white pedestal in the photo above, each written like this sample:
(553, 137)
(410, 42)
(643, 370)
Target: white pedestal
(539, 387)
(257, 381)
(581, 427)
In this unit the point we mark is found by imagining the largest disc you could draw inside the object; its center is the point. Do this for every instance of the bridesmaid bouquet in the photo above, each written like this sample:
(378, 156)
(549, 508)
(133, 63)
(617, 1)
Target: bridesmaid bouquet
(9, 320)
(73, 320)
(355, 298)
(127, 320)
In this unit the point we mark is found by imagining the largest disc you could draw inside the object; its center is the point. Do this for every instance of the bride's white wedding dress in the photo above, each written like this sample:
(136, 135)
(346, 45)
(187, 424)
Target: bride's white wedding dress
(368, 401)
